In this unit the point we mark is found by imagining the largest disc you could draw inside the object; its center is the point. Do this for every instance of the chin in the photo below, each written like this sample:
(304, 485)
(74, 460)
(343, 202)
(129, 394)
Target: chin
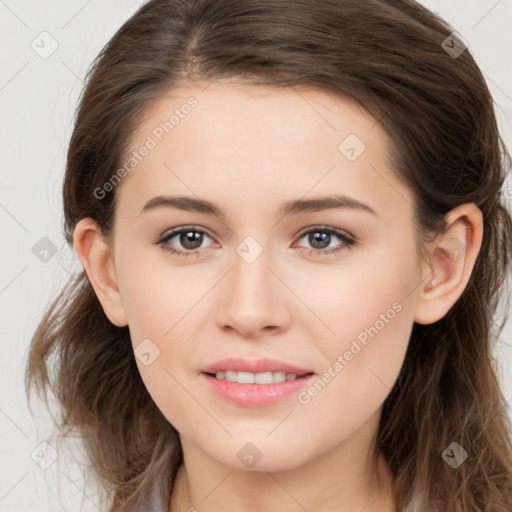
(263, 456)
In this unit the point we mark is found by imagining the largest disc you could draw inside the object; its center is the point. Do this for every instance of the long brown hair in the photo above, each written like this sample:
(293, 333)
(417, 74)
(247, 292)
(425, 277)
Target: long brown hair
(387, 55)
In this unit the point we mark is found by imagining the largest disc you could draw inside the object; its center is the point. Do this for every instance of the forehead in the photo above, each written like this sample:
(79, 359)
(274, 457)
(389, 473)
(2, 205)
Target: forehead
(255, 141)
(255, 113)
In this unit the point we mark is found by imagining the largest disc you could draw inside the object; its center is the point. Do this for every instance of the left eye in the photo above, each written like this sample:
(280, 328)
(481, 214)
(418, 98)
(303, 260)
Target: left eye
(191, 240)
(322, 236)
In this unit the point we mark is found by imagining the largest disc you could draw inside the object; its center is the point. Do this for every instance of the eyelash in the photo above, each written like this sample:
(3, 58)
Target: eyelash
(348, 242)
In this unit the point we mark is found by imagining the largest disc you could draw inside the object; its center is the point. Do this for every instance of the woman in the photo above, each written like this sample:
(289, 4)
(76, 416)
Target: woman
(334, 170)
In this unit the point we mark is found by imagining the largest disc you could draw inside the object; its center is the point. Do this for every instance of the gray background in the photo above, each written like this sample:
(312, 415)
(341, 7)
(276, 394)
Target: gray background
(38, 96)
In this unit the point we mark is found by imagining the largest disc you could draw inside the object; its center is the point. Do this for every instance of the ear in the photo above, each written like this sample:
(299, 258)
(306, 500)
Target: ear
(451, 259)
(97, 259)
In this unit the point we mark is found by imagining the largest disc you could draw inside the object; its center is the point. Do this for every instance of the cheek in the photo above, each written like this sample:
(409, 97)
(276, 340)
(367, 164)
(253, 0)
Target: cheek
(371, 316)
(365, 357)
(159, 301)
(156, 294)
(157, 318)
(352, 298)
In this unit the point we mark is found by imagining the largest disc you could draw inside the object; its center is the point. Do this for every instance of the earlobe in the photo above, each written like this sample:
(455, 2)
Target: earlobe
(97, 259)
(452, 258)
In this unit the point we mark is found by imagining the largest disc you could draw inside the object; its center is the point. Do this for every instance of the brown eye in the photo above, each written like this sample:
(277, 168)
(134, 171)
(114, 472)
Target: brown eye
(186, 242)
(320, 239)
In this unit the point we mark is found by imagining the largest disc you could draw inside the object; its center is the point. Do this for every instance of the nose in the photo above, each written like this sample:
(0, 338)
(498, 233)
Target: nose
(254, 299)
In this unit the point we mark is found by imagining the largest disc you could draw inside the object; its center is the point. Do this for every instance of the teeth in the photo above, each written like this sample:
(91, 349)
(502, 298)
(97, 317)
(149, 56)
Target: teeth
(255, 378)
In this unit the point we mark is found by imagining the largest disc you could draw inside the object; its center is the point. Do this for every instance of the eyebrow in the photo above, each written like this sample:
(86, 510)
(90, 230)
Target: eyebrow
(292, 207)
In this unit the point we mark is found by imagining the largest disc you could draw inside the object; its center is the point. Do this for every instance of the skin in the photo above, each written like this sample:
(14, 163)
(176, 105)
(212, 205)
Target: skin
(248, 150)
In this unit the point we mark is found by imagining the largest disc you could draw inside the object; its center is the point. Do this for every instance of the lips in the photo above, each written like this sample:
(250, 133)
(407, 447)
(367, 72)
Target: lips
(255, 366)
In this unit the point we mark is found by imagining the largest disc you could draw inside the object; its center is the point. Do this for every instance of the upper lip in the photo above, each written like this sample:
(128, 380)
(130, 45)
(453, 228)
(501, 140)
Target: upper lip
(254, 366)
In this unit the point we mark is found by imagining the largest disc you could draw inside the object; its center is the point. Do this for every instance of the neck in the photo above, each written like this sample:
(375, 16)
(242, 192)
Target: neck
(346, 478)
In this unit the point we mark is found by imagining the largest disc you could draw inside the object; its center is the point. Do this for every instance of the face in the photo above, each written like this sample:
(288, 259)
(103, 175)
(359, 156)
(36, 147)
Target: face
(326, 293)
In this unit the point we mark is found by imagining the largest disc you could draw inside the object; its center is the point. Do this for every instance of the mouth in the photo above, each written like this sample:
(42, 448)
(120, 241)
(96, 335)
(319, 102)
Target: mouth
(256, 394)
(255, 383)
(228, 368)
(257, 378)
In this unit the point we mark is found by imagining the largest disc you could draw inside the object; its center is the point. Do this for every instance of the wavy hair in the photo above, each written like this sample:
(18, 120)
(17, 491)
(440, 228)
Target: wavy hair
(389, 57)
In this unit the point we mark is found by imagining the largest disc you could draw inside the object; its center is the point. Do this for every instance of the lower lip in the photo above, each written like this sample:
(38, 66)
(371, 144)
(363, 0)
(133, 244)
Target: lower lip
(256, 395)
